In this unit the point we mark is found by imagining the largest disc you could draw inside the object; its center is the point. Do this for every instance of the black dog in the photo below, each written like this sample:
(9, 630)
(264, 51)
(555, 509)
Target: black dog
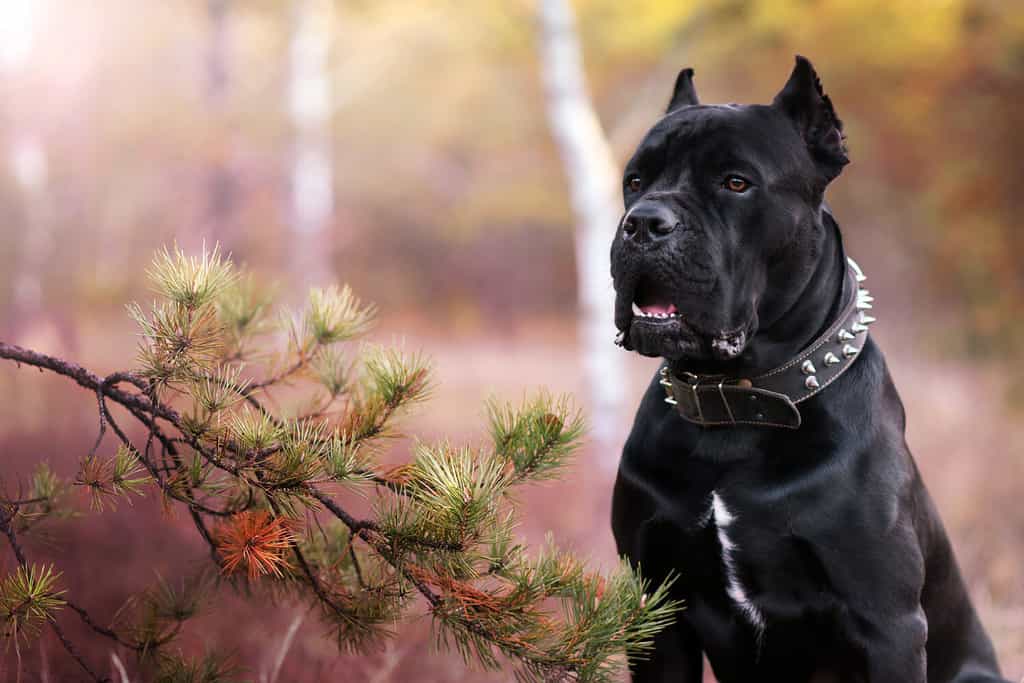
(767, 466)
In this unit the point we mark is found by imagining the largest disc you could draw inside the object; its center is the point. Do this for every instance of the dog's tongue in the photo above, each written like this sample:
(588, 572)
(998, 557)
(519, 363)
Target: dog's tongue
(658, 309)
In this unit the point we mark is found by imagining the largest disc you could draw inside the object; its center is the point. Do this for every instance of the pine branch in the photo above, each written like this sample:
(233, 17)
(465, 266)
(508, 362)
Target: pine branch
(86, 379)
(366, 530)
(19, 554)
(442, 525)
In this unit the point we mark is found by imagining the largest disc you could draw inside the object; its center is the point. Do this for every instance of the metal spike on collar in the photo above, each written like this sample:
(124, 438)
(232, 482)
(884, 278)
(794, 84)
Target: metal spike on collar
(850, 351)
(845, 336)
(671, 401)
(620, 338)
(867, 319)
(831, 358)
(861, 305)
(807, 367)
(858, 328)
(856, 270)
(812, 382)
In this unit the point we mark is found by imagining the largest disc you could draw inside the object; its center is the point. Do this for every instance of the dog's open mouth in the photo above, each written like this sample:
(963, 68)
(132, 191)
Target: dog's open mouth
(651, 301)
(655, 326)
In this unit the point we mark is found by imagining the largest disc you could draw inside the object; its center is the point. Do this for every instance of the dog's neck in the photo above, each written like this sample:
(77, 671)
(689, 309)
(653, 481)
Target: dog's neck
(814, 309)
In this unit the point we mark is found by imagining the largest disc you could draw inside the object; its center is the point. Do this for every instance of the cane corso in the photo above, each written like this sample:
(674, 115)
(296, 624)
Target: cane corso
(767, 467)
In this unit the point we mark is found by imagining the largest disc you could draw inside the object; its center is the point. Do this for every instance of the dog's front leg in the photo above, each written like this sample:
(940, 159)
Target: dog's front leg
(676, 657)
(896, 649)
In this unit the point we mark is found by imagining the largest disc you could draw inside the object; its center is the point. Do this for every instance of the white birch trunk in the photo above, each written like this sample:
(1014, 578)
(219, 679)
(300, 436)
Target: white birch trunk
(220, 180)
(28, 163)
(26, 156)
(312, 173)
(594, 189)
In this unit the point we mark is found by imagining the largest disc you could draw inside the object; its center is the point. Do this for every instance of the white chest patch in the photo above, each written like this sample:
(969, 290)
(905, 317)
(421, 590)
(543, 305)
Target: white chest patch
(733, 588)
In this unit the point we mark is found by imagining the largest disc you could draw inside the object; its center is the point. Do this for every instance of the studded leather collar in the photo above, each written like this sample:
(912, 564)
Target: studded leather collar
(771, 399)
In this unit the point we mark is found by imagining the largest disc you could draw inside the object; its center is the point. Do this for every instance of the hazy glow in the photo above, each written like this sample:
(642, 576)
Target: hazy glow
(28, 162)
(17, 24)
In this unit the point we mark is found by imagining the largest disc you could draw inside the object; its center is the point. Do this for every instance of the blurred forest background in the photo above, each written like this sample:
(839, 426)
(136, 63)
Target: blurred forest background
(403, 146)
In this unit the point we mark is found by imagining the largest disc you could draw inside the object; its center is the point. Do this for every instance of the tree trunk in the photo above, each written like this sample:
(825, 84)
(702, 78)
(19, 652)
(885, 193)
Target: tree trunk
(221, 187)
(28, 161)
(312, 174)
(593, 179)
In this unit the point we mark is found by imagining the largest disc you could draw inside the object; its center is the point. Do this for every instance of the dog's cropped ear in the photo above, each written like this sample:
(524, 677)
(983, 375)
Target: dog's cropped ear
(683, 94)
(806, 104)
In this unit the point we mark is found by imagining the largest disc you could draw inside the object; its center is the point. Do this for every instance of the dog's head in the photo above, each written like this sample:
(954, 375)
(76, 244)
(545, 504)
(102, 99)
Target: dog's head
(723, 224)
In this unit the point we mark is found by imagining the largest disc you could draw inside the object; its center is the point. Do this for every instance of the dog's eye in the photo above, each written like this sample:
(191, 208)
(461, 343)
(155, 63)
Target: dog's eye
(633, 183)
(735, 183)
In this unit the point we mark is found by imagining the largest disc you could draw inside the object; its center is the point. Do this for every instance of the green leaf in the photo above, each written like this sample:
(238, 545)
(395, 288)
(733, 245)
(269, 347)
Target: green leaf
(191, 281)
(108, 478)
(28, 599)
(252, 430)
(242, 308)
(333, 370)
(220, 389)
(396, 378)
(538, 437)
(129, 475)
(212, 667)
(336, 315)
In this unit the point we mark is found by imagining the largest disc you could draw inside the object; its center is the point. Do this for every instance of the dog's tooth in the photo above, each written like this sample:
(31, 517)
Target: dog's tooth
(636, 309)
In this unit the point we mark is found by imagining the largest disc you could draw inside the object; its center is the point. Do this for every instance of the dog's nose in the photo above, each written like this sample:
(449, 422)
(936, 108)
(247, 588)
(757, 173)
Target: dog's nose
(648, 223)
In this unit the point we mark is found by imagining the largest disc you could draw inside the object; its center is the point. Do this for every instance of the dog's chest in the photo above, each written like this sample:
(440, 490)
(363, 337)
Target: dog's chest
(723, 521)
(708, 549)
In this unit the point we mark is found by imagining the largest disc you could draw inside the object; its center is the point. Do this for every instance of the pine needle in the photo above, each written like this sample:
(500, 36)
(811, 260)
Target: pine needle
(191, 281)
(28, 599)
(255, 542)
(337, 315)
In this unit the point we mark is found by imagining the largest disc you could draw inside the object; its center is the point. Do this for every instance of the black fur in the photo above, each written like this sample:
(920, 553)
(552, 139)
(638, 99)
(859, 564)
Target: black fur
(834, 540)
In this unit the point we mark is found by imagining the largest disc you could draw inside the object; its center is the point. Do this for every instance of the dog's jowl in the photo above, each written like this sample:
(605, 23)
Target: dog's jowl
(767, 468)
